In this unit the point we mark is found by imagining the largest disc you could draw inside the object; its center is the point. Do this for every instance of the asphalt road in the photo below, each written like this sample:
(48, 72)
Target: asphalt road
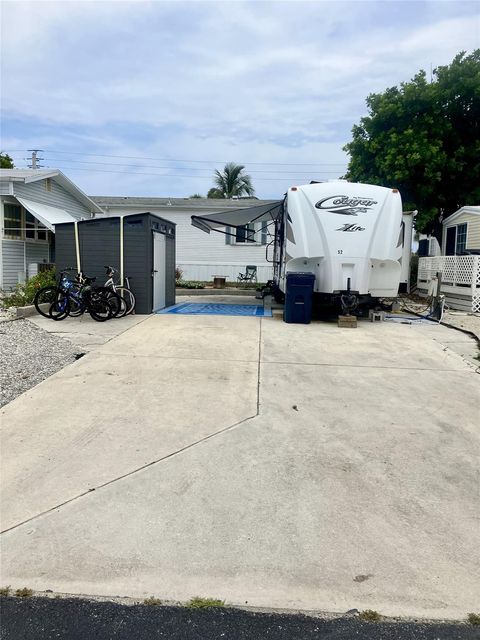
(75, 619)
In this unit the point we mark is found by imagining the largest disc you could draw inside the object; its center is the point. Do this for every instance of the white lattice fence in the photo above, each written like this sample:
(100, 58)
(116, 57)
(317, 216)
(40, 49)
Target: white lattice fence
(460, 278)
(476, 295)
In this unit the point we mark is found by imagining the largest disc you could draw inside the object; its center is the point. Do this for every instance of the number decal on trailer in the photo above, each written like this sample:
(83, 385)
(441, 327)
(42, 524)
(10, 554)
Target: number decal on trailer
(340, 251)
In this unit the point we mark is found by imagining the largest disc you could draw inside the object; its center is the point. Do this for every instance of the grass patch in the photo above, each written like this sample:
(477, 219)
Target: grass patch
(474, 618)
(204, 603)
(24, 593)
(5, 591)
(152, 601)
(370, 615)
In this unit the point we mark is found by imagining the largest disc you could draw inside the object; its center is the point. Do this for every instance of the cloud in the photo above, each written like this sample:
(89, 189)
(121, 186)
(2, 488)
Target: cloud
(273, 81)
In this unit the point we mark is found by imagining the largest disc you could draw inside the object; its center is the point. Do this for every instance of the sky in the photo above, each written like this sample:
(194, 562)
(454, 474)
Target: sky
(148, 98)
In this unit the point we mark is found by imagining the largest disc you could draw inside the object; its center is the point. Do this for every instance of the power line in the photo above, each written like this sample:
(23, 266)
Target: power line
(139, 166)
(102, 155)
(157, 175)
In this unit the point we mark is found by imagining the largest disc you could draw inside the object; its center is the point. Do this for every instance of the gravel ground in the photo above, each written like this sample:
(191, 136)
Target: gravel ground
(74, 619)
(28, 355)
(467, 321)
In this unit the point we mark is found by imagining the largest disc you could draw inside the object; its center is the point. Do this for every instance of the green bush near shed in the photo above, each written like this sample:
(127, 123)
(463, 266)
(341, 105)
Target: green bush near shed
(23, 294)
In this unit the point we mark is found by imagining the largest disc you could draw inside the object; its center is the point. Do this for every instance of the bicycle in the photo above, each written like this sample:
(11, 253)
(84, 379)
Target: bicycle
(73, 300)
(124, 292)
(75, 297)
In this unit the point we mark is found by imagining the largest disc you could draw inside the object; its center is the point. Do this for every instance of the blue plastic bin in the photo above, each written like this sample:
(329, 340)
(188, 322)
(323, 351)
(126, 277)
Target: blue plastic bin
(298, 298)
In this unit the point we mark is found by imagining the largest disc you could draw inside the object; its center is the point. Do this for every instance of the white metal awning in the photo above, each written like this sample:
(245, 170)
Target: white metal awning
(47, 215)
(239, 217)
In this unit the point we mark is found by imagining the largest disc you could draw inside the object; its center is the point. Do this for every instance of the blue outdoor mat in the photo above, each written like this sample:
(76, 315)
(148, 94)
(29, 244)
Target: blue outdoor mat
(212, 309)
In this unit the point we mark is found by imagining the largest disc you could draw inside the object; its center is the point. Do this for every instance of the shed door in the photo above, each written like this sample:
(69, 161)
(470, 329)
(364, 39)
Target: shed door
(158, 271)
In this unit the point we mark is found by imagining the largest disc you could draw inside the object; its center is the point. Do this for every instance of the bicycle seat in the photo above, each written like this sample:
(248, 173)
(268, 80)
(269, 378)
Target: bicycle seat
(89, 280)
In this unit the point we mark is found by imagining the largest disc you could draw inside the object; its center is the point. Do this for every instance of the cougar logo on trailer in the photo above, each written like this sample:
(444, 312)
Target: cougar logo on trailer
(345, 206)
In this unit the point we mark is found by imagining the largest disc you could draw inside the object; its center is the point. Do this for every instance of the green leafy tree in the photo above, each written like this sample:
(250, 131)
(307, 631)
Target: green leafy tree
(195, 196)
(6, 161)
(215, 193)
(424, 139)
(232, 181)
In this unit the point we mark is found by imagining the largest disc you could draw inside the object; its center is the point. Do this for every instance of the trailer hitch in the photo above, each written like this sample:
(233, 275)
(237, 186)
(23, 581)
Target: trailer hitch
(348, 300)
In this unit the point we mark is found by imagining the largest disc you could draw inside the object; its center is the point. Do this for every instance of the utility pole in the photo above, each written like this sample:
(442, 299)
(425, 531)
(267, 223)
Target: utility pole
(35, 159)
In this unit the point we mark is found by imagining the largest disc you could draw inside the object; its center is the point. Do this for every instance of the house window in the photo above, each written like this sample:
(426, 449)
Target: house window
(252, 233)
(34, 230)
(21, 225)
(245, 234)
(12, 221)
(461, 243)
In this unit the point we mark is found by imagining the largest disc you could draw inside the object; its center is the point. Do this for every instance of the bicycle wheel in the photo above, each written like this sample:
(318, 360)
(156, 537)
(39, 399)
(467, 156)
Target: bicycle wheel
(129, 298)
(45, 298)
(99, 309)
(60, 307)
(114, 300)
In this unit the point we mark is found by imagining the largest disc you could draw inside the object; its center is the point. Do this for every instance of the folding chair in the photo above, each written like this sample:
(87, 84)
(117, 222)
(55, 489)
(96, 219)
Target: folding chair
(250, 274)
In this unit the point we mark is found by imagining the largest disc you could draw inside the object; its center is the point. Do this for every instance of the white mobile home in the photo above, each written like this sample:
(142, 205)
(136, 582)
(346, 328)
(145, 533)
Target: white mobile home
(32, 201)
(459, 262)
(461, 232)
(200, 257)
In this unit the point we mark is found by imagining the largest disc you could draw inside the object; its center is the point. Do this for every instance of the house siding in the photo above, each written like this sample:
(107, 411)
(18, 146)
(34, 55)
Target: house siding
(13, 262)
(4, 189)
(473, 230)
(170, 265)
(201, 255)
(56, 197)
(37, 252)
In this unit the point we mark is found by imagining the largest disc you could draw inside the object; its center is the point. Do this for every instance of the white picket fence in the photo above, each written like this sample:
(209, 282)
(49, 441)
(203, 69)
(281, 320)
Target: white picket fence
(460, 279)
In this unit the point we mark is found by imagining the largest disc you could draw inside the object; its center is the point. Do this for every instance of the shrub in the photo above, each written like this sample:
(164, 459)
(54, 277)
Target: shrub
(370, 615)
(204, 603)
(189, 284)
(24, 294)
(178, 273)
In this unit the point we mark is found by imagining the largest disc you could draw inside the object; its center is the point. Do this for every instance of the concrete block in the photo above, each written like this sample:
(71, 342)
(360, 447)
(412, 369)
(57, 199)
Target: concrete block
(347, 322)
(376, 316)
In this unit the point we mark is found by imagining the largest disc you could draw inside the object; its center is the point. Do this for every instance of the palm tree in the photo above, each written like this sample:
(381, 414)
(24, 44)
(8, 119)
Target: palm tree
(232, 181)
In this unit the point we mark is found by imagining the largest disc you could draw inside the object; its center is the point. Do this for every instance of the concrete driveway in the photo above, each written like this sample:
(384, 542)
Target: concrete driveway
(271, 465)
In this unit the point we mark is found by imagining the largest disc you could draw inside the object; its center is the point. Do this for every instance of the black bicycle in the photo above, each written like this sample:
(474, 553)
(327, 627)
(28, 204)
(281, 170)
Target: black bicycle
(75, 297)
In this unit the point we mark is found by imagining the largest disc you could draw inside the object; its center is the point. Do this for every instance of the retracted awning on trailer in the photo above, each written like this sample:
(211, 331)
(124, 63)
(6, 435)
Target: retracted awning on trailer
(48, 216)
(268, 212)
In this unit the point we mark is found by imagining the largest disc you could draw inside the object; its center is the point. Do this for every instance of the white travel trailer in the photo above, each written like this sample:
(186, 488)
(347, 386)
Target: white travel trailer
(353, 237)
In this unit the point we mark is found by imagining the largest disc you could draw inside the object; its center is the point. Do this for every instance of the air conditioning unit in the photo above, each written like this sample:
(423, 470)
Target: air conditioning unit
(32, 269)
